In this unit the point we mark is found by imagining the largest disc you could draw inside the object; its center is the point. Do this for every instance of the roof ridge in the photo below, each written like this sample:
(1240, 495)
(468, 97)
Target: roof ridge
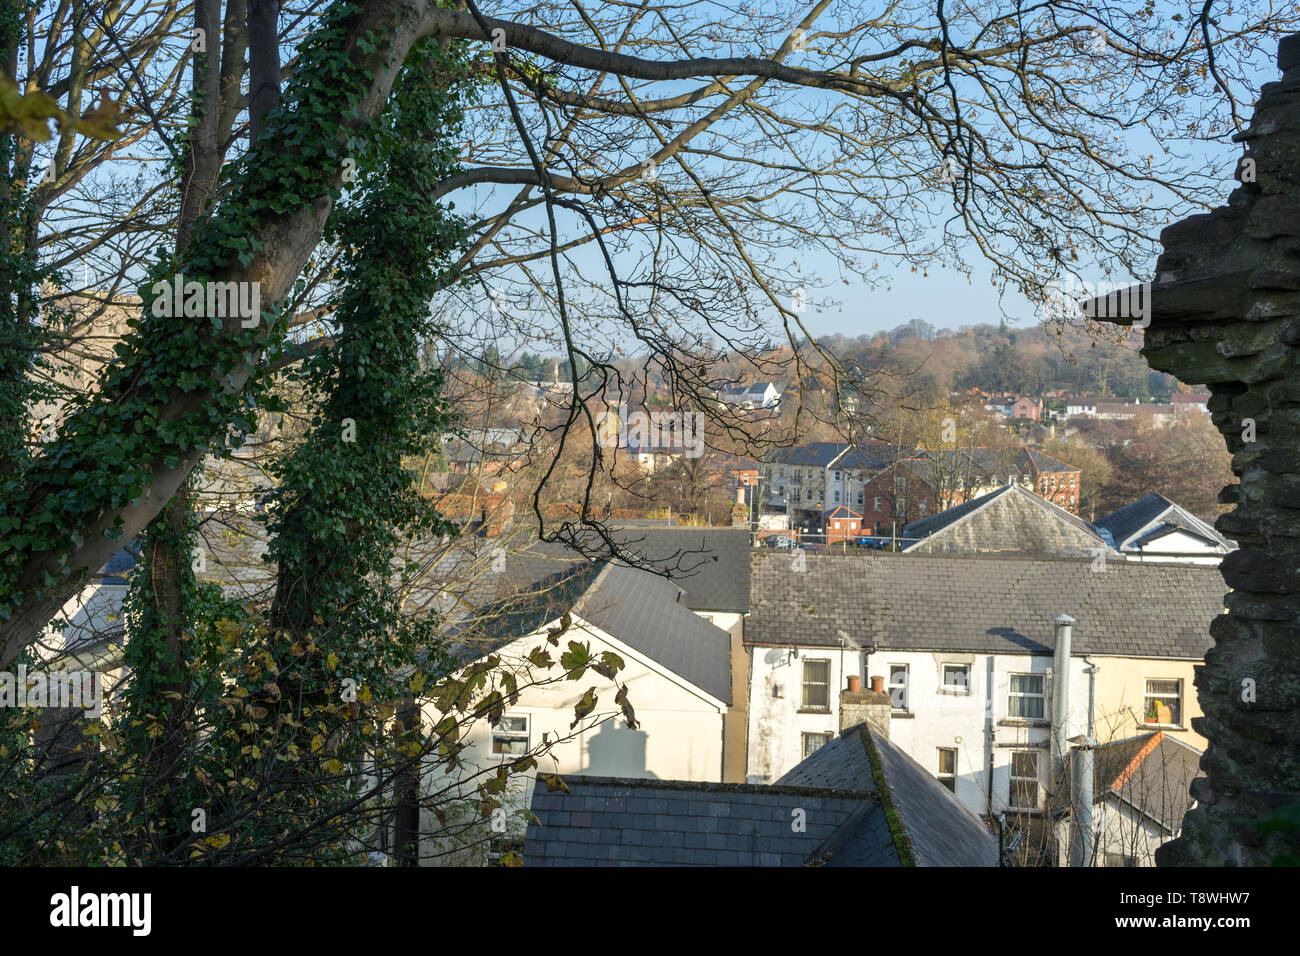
(1118, 784)
(897, 830)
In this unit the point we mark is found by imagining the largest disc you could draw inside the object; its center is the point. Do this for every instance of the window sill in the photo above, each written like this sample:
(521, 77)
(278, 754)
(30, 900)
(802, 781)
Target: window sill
(954, 692)
(1023, 722)
(813, 710)
(906, 714)
(1154, 726)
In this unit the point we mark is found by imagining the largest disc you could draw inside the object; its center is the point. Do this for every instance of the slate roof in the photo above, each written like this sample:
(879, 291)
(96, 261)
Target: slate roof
(711, 565)
(642, 610)
(1153, 516)
(120, 565)
(983, 603)
(1047, 463)
(1010, 519)
(1025, 460)
(604, 821)
(924, 527)
(1151, 772)
(871, 456)
(939, 829)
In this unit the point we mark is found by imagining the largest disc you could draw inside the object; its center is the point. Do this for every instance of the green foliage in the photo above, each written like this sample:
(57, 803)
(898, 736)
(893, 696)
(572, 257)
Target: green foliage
(275, 733)
(344, 505)
(110, 445)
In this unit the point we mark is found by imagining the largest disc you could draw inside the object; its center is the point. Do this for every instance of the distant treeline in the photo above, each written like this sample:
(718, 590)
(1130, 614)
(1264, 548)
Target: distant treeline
(932, 362)
(1028, 361)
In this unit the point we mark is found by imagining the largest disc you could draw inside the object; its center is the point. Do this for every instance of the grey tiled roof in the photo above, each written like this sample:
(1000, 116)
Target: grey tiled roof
(939, 828)
(1047, 463)
(119, 567)
(1135, 520)
(833, 794)
(606, 821)
(709, 565)
(871, 456)
(1151, 772)
(984, 603)
(642, 610)
(935, 523)
(1011, 519)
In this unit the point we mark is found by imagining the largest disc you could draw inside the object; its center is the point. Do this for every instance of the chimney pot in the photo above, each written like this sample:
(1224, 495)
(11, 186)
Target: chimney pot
(865, 706)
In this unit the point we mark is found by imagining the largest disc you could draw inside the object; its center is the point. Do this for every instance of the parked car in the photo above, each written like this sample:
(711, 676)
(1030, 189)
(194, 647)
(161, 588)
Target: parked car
(781, 542)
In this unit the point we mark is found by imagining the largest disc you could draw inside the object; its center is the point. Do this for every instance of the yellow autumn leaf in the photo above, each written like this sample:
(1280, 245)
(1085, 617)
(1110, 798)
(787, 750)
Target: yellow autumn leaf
(27, 114)
(332, 661)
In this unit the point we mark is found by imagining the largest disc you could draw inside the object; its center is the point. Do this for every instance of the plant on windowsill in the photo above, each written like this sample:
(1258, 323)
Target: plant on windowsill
(1159, 713)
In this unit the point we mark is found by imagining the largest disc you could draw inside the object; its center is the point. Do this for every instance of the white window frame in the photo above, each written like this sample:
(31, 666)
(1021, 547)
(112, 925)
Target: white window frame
(1147, 695)
(877, 507)
(525, 736)
(1012, 778)
(891, 686)
(955, 688)
(804, 738)
(804, 682)
(946, 778)
(1041, 696)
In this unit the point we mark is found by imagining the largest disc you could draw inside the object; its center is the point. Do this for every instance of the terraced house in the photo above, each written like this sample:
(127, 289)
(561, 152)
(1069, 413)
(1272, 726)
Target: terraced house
(964, 645)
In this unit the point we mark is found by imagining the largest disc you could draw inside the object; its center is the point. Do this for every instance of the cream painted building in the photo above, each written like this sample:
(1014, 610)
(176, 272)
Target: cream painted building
(677, 672)
(1138, 694)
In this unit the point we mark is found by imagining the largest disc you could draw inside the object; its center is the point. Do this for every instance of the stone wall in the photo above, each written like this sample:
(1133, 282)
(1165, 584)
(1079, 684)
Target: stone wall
(1226, 314)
